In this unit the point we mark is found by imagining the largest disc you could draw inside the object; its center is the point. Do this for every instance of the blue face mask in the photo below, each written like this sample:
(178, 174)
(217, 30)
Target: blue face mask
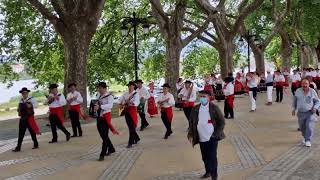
(204, 100)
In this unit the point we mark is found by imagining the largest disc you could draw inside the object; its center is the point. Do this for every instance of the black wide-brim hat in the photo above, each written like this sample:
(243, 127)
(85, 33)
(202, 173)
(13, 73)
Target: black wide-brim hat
(228, 79)
(166, 85)
(52, 86)
(131, 83)
(102, 84)
(24, 90)
(139, 81)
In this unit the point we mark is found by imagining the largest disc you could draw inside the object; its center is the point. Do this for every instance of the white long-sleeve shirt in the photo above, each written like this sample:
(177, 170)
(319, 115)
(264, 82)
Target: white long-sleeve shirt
(134, 100)
(31, 100)
(77, 95)
(252, 82)
(185, 93)
(229, 89)
(106, 103)
(168, 103)
(58, 103)
(143, 92)
(279, 78)
(204, 127)
(295, 77)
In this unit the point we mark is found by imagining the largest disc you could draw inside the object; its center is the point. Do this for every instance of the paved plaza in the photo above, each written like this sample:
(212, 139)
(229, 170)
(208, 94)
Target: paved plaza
(264, 145)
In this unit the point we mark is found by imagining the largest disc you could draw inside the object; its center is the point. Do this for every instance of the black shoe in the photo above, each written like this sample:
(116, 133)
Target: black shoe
(16, 150)
(74, 135)
(80, 134)
(129, 146)
(170, 132)
(165, 136)
(101, 158)
(35, 147)
(110, 152)
(68, 137)
(298, 129)
(206, 175)
(51, 142)
(142, 128)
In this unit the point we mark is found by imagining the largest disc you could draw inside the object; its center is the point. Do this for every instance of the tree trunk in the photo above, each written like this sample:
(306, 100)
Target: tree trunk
(259, 58)
(76, 53)
(226, 51)
(318, 51)
(285, 50)
(304, 57)
(173, 51)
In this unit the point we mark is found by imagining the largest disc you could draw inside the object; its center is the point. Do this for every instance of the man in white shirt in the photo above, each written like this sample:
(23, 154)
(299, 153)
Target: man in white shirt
(228, 91)
(144, 95)
(295, 81)
(129, 101)
(252, 84)
(27, 121)
(269, 84)
(188, 95)
(56, 101)
(166, 101)
(206, 128)
(103, 109)
(279, 80)
(74, 100)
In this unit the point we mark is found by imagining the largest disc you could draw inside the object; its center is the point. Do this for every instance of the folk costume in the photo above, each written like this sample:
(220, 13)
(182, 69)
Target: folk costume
(228, 91)
(27, 120)
(295, 81)
(252, 83)
(144, 96)
(188, 96)
(104, 107)
(166, 101)
(208, 87)
(238, 85)
(280, 83)
(269, 84)
(74, 101)
(219, 92)
(152, 107)
(130, 101)
(56, 117)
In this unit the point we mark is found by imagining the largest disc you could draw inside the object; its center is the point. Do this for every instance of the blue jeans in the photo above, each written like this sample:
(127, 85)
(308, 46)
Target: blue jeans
(307, 121)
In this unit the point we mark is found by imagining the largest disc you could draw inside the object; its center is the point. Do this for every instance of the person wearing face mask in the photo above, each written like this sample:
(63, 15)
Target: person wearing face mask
(206, 128)
(306, 103)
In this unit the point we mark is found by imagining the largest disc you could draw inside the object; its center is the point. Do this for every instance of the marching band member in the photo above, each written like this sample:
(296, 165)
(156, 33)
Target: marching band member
(252, 84)
(103, 110)
(27, 121)
(144, 95)
(152, 108)
(129, 102)
(279, 80)
(269, 84)
(228, 91)
(166, 101)
(74, 100)
(188, 95)
(56, 101)
(295, 81)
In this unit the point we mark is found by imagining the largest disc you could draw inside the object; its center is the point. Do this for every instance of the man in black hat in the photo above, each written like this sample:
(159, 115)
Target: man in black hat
(74, 100)
(228, 91)
(166, 101)
(27, 121)
(129, 102)
(144, 95)
(56, 101)
(103, 109)
(188, 95)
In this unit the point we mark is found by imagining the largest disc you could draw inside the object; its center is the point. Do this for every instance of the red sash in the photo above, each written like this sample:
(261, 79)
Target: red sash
(295, 84)
(188, 104)
(78, 109)
(33, 124)
(169, 112)
(152, 108)
(230, 100)
(58, 112)
(132, 110)
(281, 84)
(107, 118)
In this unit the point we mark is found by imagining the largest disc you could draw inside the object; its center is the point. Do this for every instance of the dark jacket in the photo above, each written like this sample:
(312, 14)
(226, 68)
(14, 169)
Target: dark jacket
(218, 124)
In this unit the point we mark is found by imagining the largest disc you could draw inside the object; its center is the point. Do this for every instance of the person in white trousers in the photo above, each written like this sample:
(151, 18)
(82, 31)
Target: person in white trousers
(252, 84)
(269, 84)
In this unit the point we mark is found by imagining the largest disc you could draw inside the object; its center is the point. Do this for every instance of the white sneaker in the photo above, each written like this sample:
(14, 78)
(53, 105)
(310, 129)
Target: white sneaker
(303, 142)
(308, 144)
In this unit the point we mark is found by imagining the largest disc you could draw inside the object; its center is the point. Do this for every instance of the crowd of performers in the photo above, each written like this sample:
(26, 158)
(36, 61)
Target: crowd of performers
(139, 100)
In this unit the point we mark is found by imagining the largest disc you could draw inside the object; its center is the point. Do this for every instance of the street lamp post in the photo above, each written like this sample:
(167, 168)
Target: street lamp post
(134, 22)
(249, 38)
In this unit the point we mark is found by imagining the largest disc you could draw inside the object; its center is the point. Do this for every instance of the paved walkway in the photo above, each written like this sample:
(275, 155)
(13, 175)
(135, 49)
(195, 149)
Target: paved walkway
(260, 145)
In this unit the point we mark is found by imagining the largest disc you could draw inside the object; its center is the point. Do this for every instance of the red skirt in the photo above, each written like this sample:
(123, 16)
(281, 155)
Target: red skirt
(238, 87)
(58, 112)
(152, 108)
(169, 112)
(33, 124)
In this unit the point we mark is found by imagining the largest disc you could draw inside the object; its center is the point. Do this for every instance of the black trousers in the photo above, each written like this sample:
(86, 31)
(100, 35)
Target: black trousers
(103, 130)
(166, 123)
(23, 126)
(279, 92)
(293, 89)
(228, 110)
(187, 112)
(54, 124)
(144, 122)
(133, 135)
(209, 156)
(75, 122)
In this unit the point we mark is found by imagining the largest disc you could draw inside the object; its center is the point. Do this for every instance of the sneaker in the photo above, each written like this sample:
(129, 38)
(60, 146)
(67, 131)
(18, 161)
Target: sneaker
(303, 142)
(308, 144)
